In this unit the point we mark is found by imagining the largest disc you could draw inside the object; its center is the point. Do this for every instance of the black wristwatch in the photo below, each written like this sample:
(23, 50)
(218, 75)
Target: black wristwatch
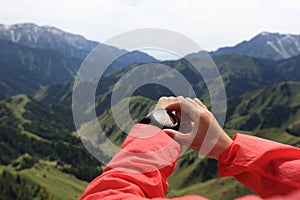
(163, 119)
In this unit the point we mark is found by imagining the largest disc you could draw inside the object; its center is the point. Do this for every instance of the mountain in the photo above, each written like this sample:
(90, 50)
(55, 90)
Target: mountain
(42, 158)
(39, 147)
(18, 187)
(55, 94)
(240, 74)
(51, 65)
(43, 132)
(46, 37)
(266, 45)
(43, 126)
(138, 108)
(15, 80)
(70, 45)
(32, 56)
(289, 68)
(26, 70)
(275, 106)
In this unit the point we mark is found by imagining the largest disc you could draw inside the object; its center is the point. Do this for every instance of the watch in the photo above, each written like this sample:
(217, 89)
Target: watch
(163, 119)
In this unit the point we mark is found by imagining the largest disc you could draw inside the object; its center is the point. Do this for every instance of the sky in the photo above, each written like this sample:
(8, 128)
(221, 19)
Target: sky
(210, 23)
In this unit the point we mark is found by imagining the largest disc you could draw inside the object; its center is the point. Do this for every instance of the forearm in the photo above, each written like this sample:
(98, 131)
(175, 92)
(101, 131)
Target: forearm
(147, 157)
(267, 167)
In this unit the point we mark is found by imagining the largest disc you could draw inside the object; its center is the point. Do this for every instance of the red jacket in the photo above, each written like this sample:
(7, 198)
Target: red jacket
(148, 156)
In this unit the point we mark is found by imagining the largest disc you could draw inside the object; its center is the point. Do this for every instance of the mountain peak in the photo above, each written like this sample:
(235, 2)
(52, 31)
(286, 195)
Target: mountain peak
(265, 33)
(47, 37)
(266, 45)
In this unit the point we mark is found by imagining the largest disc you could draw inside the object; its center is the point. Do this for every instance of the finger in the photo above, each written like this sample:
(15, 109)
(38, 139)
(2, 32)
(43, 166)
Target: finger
(175, 105)
(172, 133)
(181, 138)
(185, 106)
(191, 101)
(200, 103)
(164, 101)
(178, 114)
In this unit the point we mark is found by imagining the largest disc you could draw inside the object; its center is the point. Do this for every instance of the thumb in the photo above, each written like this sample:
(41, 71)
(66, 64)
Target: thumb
(182, 138)
(172, 133)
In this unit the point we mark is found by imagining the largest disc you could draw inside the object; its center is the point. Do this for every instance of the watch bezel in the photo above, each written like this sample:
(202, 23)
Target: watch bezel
(150, 119)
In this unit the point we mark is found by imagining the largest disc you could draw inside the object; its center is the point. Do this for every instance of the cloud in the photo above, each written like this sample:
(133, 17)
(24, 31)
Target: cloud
(211, 23)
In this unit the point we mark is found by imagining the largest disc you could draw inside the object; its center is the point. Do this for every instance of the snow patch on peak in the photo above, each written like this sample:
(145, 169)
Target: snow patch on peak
(54, 31)
(284, 53)
(288, 36)
(279, 49)
(6, 26)
(265, 33)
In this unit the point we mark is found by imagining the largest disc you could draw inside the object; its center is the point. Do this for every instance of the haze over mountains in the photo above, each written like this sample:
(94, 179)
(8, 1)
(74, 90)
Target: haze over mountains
(41, 156)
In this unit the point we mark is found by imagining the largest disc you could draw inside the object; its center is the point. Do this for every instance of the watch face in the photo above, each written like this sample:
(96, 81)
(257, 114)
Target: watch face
(163, 117)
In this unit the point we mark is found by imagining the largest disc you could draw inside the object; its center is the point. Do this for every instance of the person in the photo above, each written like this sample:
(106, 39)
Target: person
(149, 155)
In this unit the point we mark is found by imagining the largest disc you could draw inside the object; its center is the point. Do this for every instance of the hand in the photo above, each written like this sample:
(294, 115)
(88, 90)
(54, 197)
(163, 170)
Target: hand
(186, 123)
(203, 128)
(163, 102)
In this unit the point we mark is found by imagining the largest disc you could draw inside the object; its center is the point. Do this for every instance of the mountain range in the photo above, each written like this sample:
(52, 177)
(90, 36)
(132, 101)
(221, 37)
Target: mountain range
(71, 45)
(41, 155)
(47, 37)
(266, 45)
(48, 55)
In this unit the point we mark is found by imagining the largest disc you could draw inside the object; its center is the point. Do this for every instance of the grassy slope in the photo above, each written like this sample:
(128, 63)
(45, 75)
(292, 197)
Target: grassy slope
(225, 188)
(192, 176)
(138, 107)
(59, 185)
(272, 106)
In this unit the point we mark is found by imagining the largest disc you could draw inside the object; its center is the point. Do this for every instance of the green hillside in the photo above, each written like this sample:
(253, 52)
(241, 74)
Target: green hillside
(275, 106)
(43, 180)
(55, 94)
(33, 160)
(14, 80)
(240, 74)
(138, 108)
(37, 145)
(43, 157)
(41, 66)
(290, 68)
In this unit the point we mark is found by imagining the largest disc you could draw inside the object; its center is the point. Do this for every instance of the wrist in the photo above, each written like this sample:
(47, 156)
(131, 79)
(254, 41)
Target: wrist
(224, 142)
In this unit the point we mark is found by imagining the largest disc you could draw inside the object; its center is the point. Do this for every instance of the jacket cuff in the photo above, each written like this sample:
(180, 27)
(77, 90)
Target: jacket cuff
(243, 152)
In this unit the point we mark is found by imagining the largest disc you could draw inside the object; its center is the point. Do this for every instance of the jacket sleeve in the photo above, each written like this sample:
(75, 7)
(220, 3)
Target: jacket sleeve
(140, 168)
(269, 168)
